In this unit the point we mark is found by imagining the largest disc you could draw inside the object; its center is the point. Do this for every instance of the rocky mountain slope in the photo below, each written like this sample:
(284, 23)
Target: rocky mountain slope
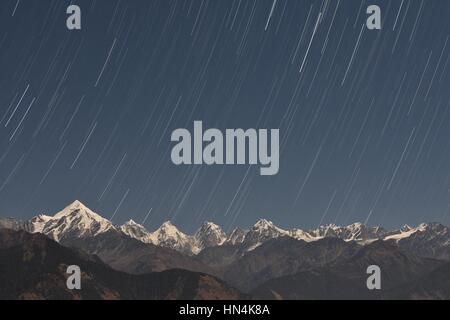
(345, 278)
(34, 267)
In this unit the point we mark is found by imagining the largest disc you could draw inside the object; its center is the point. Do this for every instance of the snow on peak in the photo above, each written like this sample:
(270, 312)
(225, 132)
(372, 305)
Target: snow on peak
(168, 229)
(356, 226)
(74, 220)
(168, 224)
(211, 225)
(42, 217)
(435, 226)
(77, 208)
(261, 232)
(354, 232)
(38, 223)
(302, 235)
(432, 231)
(263, 224)
(77, 204)
(136, 231)
(132, 223)
(237, 236)
(169, 236)
(209, 235)
(406, 228)
(266, 226)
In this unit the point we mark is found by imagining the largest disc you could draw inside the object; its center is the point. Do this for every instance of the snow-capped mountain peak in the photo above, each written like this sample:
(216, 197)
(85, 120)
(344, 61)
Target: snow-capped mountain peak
(74, 220)
(169, 236)
(168, 225)
(78, 208)
(261, 232)
(268, 227)
(136, 231)
(209, 235)
(131, 222)
(210, 225)
(263, 224)
(167, 230)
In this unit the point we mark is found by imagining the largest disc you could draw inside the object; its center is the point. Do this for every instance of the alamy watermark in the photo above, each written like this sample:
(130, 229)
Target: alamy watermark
(374, 20)
(73, 22)
(236, 146)
(374, 280)
(73, 282)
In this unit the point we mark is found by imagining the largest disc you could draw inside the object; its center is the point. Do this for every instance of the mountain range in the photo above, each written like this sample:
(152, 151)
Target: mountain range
(78, 221)
(265, 261)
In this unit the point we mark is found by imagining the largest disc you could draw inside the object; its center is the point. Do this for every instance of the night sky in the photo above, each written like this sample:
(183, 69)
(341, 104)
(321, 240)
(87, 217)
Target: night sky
(363, 114)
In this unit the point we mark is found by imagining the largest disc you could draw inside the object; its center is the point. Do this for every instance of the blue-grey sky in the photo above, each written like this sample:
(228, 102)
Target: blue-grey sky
(363, 114)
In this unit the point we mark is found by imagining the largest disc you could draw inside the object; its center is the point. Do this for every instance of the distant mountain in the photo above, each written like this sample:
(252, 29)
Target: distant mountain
(427, 240)
(345, 277)
(167, 236)
(136, 231)
(261, 232)
(33, 266)
(354, 232)
(77, 221)
(209, 235)
(284, 256)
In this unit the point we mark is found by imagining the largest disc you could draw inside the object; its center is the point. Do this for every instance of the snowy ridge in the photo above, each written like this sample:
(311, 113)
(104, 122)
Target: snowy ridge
(78, 221)
(211, 235)
(169, 236)
(39, 222)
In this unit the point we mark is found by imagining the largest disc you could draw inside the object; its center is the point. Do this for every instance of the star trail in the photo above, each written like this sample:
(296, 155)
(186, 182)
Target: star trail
(363, 115)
